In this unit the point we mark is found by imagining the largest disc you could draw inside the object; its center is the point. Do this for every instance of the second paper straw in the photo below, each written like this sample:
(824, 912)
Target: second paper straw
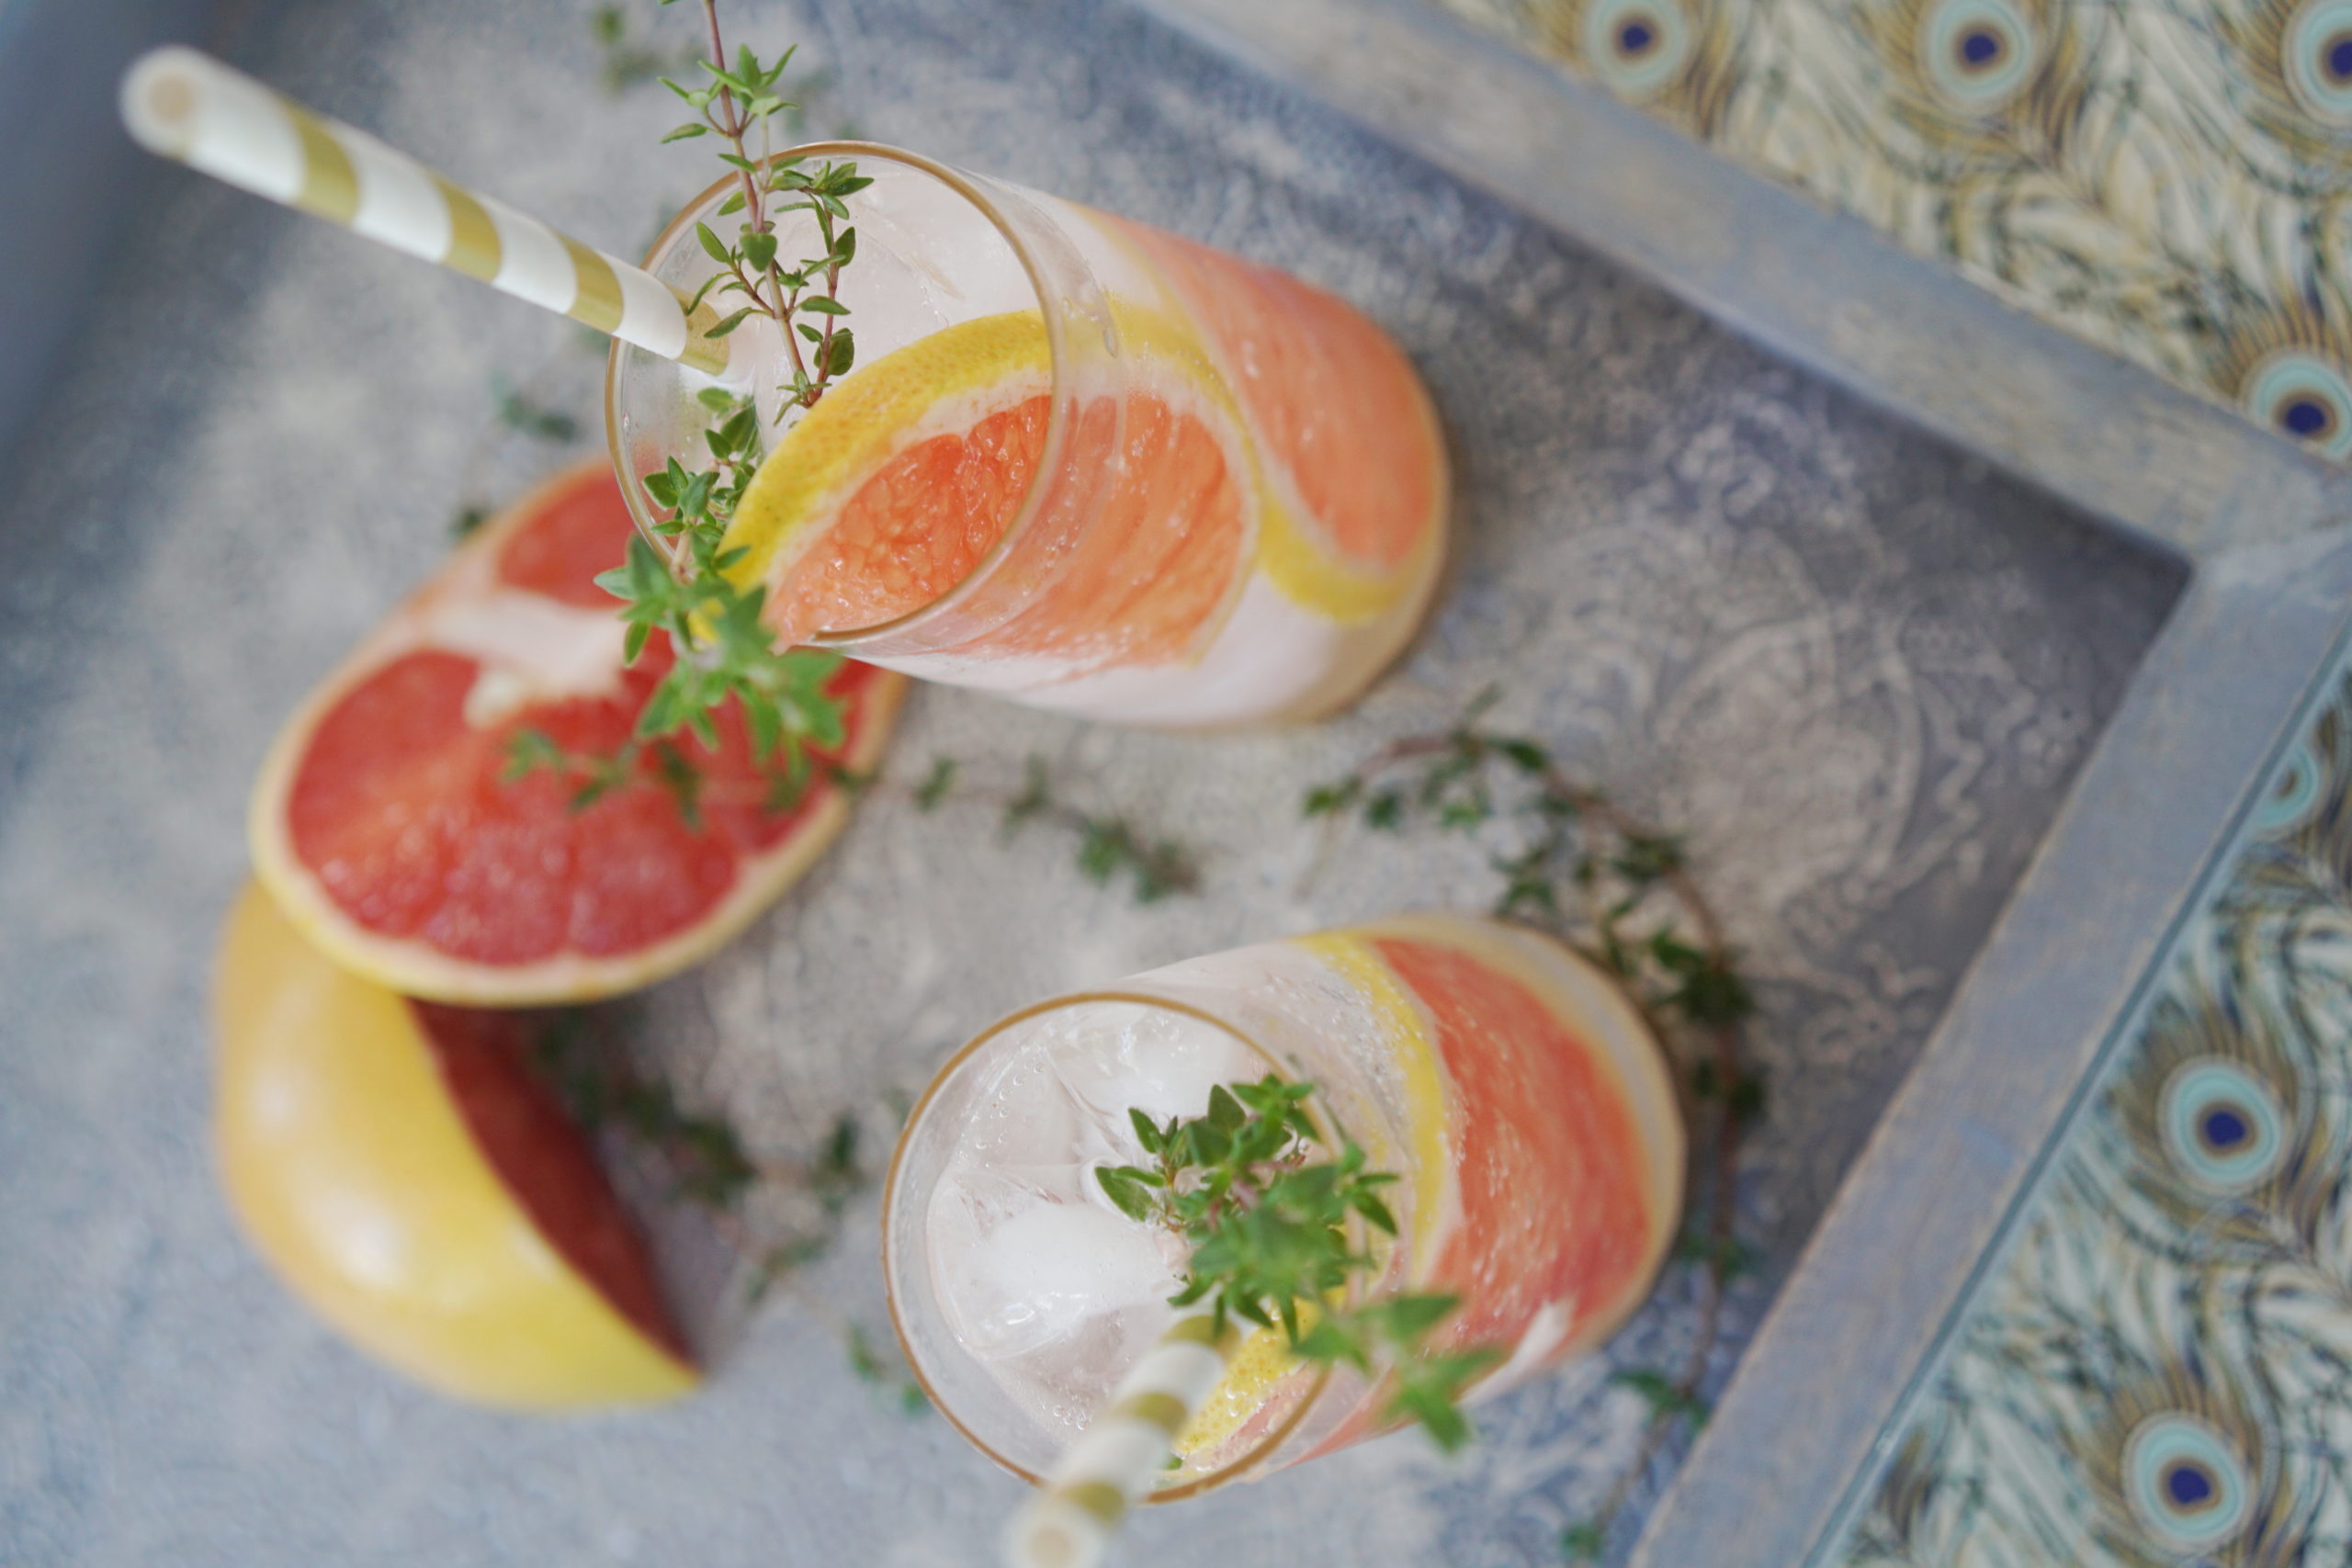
(187, 105)
(1070, 1520)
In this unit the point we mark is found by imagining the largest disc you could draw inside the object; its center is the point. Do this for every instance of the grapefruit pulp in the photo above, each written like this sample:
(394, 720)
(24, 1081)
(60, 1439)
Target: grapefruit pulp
(1354, 466)
(1541, 1146)
(386, 823)
(896, 486)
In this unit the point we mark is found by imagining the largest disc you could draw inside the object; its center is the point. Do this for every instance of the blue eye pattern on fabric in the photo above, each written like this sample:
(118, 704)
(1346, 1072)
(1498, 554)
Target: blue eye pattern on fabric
(2184, 1469)
(1978, 54)
(2168, 179)
(2295, 791)
(1637, 47)
(2222, 1125)
(2291, 369)
(2315, 58)
(1981, 97)
(2304, 396)
(2225, 1139)
(2294, 61)
(2302, 852)
(2180, 1463)
(1676, 59)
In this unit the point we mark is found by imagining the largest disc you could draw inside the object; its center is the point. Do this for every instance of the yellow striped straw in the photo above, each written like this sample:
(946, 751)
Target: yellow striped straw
(189, 106)
(1070, 1521)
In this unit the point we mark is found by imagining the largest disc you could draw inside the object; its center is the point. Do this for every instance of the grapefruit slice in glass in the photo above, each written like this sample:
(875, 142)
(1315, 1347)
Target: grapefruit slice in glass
(895, 487)
(1346, 537)
(386, 824)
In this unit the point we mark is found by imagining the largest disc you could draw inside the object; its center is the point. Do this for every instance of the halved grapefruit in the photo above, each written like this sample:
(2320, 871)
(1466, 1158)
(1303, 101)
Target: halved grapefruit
(401, 1171)
(386, 824)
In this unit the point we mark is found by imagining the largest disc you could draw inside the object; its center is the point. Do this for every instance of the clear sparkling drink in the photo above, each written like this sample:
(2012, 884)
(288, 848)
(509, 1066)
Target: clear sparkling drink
(1509, 1084)
(1078, 462)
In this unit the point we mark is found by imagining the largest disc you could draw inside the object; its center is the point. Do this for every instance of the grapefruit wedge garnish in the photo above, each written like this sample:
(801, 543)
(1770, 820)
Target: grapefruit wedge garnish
(408, 1179)
(903, 479)
(389, 823)
(1282, 434)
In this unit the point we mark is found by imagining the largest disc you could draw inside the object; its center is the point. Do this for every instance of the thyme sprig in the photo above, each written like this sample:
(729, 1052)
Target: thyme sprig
(702, 1158)
(1622, 891)
(725, 653)
(1110, 846)
(739, 96)
(528, 410)
(520, 411)
(1278, 1232)
(592, 775)
(627, 60)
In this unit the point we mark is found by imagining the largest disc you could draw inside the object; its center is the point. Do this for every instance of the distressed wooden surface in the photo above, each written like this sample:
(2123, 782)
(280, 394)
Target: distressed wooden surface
(1822, 289)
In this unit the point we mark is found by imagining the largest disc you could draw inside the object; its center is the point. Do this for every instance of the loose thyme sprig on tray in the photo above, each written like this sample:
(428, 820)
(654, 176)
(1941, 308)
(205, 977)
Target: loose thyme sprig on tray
(1621, 891)
(1274, 1233)
(1109, 844)
(723, 650)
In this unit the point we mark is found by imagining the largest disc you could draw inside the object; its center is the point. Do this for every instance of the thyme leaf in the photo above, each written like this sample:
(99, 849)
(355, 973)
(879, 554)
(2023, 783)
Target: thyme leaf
(1277, 1225)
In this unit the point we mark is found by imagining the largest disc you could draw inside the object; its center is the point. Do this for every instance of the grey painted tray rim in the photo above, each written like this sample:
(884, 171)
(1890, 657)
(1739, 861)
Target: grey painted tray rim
(1930, 1205)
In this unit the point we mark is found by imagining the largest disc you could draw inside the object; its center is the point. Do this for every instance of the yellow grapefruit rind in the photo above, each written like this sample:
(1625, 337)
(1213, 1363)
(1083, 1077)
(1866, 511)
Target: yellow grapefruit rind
(354, 1175)
(868, 419)
(1265, 1358)
(1250, 1379)
(1413, 1045)
(416, 968)
(951, 379)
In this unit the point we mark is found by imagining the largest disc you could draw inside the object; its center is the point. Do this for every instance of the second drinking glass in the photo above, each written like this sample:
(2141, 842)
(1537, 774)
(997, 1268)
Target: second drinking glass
(1519, 1096)
(1078, 462)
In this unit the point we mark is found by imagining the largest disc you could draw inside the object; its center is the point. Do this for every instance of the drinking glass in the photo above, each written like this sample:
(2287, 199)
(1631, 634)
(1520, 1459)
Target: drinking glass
(1517, 1094)
(1079, 462)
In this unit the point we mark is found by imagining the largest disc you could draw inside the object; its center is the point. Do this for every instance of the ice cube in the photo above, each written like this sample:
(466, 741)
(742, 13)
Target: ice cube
(1040, 1277)
(1154, 1060)
(1023, 1116)
(1035, 1275)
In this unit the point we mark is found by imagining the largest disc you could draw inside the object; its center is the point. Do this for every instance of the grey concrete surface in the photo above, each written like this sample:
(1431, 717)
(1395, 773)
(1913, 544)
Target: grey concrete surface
(67, 161)
(1858, 669)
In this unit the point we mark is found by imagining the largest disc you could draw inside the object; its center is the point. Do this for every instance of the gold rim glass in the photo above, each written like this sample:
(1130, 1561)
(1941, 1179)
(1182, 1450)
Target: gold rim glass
(648, 404)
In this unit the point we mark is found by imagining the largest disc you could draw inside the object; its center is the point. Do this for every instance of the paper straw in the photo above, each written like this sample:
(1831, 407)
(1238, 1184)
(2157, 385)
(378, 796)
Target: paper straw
(189, 106)
(1070, 1521)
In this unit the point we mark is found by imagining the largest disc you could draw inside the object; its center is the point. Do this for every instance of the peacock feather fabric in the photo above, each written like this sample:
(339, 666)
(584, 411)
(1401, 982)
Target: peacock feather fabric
(2171, 179)
(2160, 1372)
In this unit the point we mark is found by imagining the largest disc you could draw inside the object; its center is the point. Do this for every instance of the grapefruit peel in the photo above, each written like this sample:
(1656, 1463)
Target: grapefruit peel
(347, 1152)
